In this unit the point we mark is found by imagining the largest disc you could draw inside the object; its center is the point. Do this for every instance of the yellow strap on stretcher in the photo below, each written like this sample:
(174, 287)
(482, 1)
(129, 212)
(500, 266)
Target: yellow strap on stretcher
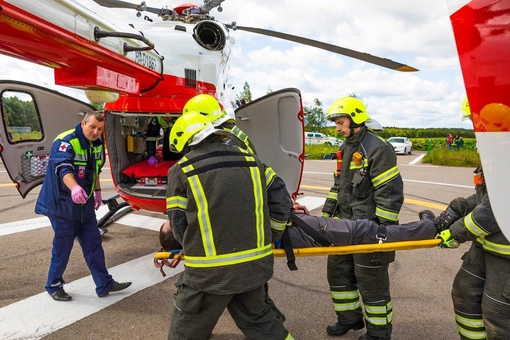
(341, 250)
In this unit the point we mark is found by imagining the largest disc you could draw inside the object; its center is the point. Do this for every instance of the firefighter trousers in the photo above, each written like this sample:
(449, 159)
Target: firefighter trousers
(350, 276)
(196, 313)
(481, 295)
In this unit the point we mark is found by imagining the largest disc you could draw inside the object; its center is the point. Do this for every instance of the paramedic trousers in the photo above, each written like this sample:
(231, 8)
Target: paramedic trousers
(350, 276)
(196, 312)
(90, 241)
(481, 295)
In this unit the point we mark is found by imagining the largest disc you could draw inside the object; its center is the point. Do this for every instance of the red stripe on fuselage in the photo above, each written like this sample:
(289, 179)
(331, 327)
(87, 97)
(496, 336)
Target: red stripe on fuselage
(482, 35)
(28, 37)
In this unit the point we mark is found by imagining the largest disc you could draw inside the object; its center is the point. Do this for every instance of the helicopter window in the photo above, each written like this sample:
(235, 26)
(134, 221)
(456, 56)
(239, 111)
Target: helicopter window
(20, 116)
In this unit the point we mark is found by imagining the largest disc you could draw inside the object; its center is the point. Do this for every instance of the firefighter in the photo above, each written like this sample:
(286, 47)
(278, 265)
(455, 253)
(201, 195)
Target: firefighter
(481, 288)
(208, 106)
(369, 186)
(225, 207)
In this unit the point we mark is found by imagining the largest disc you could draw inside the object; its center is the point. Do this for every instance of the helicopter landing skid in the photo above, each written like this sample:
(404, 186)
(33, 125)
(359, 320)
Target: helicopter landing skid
(115, 211)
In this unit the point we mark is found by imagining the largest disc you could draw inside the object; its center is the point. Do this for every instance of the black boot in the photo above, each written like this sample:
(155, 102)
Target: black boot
(337, 329)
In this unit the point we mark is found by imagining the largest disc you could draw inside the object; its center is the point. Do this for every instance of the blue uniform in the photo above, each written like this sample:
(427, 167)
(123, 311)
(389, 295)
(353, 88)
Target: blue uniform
(71, 152)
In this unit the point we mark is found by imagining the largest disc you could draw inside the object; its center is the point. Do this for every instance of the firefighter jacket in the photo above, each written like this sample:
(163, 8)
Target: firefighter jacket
(71, 152)
(226, 207)
(241, 139)
(369, 185)
(480, 225)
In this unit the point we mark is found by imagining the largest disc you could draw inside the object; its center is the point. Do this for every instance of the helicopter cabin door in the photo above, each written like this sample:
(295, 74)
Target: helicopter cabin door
(32, 116)
(274, 123)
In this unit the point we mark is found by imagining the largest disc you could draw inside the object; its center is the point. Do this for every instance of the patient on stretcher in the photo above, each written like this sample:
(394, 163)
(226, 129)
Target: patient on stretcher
(335, 232)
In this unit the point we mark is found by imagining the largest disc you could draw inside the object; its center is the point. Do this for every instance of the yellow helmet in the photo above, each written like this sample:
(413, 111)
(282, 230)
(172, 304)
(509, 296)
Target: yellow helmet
(350, 107)
(189, 129)
(208, 106)
(466, 111)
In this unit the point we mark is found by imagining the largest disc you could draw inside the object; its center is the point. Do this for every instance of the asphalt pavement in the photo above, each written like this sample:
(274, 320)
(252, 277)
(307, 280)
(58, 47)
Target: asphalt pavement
(421, 279)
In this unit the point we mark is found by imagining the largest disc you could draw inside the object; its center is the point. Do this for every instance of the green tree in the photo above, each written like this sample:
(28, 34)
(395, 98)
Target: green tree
(315, 118)
(245, 95)
(98, 106)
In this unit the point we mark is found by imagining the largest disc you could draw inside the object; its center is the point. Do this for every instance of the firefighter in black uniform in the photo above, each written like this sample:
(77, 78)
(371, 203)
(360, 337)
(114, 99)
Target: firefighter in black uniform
(226, 208)
(369, 186)
(481, 288)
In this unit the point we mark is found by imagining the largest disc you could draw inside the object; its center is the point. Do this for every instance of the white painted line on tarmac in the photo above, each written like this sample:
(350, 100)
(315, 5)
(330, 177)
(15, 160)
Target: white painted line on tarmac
(40, 315)
(417, 159)
(311, 202)
(36, 223)
(132, 220)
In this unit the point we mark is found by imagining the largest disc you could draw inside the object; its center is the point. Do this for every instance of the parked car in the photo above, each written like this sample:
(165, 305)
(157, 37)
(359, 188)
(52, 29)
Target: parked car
(401, 144)
(317, 138)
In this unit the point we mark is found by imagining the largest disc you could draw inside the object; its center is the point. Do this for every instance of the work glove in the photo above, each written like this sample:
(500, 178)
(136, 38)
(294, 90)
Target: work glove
(78, 195)
(325, 214)
(98, 200)
(455, 210)
(447, 241)
(153, 160)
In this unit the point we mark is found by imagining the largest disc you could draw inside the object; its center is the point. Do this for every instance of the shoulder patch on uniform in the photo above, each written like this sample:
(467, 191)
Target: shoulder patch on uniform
(63, 146)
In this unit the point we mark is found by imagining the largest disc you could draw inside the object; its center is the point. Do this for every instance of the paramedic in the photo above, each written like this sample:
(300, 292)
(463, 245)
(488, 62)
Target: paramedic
(69, 194)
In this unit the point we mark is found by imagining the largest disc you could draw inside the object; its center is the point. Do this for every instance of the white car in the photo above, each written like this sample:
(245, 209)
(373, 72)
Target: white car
(401, 145)
(317, 138)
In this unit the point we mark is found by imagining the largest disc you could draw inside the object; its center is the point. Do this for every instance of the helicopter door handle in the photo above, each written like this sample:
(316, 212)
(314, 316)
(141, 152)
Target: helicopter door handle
(98, 35)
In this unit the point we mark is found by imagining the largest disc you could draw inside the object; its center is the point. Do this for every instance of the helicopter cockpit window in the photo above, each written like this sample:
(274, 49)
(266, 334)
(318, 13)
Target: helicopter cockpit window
(20, 117)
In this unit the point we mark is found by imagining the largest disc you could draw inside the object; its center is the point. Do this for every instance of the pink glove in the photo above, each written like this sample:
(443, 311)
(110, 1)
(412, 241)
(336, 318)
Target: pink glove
(153, 160)
(78, 195)
(97, 199)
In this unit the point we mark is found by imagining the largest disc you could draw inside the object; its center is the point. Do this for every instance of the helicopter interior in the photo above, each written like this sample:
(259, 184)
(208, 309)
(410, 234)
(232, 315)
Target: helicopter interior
(125, 137)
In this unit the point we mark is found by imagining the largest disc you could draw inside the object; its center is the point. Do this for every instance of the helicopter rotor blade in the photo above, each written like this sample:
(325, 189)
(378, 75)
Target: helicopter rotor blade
(123, 4)
(329, 47)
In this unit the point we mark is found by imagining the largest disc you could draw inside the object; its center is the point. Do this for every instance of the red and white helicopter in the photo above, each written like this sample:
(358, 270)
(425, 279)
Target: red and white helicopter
(482, 35)
(169, 55)
(147, 69)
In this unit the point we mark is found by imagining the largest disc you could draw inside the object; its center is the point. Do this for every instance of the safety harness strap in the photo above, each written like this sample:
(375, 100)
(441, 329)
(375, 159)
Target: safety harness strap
(289, 252)
(310, 231)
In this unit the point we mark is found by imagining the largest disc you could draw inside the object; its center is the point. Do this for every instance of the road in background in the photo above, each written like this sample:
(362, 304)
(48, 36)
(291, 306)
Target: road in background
(421, 279)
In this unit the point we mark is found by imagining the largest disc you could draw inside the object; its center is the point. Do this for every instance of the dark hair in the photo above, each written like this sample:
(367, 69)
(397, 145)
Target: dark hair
(167, 240)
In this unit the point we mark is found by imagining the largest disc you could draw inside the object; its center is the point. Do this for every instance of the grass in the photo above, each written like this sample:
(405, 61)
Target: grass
(463, 157)
(437, 153)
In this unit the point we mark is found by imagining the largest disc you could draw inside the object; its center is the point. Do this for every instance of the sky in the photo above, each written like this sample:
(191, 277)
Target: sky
(416, 33)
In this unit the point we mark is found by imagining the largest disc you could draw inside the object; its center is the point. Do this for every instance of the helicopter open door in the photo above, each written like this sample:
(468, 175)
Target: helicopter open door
(275, 125)
(32, 116)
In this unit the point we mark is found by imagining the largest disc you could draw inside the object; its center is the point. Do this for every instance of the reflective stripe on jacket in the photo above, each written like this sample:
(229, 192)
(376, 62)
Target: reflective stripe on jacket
(481, 225)
(369, 186)
(226, 208)
(71, 152)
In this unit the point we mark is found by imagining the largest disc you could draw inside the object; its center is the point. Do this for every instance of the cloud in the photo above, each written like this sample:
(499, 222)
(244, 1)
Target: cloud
(419, 35)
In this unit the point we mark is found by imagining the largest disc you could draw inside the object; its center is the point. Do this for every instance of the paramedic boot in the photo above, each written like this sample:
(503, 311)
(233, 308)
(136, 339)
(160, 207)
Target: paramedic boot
(426, 215)
(337, 329)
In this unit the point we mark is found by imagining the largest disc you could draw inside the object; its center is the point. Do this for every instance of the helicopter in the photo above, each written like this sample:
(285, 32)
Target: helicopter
(482, 30)
(151, 68)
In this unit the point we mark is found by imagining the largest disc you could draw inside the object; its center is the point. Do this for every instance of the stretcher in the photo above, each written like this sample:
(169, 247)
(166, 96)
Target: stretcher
(172, 259)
